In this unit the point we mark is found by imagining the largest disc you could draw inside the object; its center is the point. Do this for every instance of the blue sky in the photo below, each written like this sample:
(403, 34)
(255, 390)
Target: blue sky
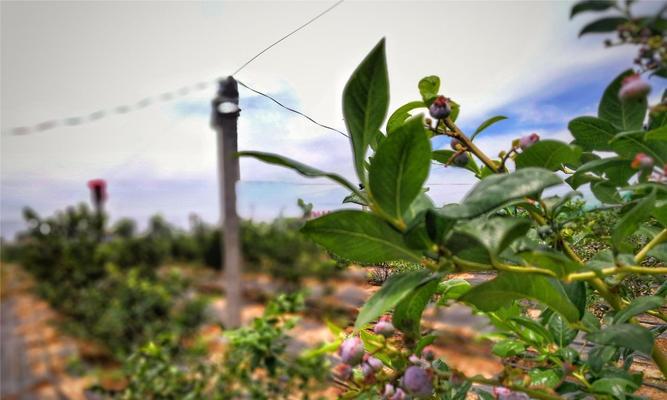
(162, 160)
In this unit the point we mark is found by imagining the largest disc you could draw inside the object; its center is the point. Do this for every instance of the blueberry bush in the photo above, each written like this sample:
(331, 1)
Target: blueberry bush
(256, 364)
(508, 224)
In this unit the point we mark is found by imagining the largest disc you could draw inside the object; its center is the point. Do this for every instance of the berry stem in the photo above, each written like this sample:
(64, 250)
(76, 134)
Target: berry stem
(458, 134)
(659, 238)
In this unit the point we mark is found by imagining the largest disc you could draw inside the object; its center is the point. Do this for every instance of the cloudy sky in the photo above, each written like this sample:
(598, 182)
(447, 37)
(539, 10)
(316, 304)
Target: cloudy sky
(69, 59)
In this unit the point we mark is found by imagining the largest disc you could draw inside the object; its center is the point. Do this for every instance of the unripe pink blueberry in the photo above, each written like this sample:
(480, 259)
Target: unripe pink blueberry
(367, 370)
(343, 372)
(455, 144)
(528, 140)
(642, 161)
(501, 391)
(351, 350)
(634, 87)
(428, 353)
(373, 362)
(384, 328)
(461, 160)
(417, 381)
(389, 390)
(414, 359)
(440, 108)
(399, 395)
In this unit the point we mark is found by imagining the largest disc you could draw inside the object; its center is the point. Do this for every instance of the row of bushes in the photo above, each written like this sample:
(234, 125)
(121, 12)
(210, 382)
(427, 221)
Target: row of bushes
(107, 280)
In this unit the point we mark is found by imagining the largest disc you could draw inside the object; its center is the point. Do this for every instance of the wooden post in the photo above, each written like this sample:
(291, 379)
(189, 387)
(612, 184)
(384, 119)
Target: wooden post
(225, 114)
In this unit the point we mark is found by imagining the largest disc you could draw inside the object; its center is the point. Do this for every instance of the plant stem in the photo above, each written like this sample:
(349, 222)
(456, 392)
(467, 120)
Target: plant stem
(659, 238)
(658, 356)
(571, 252)
(657, 314)
(581, 276)
(471, 265)
(458, 134)
(537, 394)
(527, 270)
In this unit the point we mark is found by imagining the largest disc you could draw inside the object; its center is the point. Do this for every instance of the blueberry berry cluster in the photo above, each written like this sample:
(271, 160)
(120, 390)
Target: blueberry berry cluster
(652, 54)
(364, 369)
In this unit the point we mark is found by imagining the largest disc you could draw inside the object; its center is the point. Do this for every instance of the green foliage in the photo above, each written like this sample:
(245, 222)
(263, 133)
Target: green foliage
(548, 154)
(490, 296)
(359, 236)
(256, 364)
(392, 292)
(549, 253)
(399, 168)
(365, 104)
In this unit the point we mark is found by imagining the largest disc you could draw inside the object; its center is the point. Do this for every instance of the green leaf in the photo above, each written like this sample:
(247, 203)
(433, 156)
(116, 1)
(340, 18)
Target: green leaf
(428, 88)
(657, 133)
(659, 252)
(456, 109)
(443, 156)
(355, 199)
(606, 192)
(399, 169)
(601, 355)
(495, 234)
(591, 5)
(629, 223)
(508, 286)
(452, 289)
(395, 289)
(495, 191)
(408, 312)
(619, 388)
(592, 133)
(603, 25)
(548, 154)
(423, 342)
(302, 169)
(365, 103)
(508, 348)
(417, 208)
(538, 333)
(638, 306)
(658, 118)
(544, 378)
(562, 333)
(359, 236)
(401, 114)
(660, 211)
(615, 169)
(630, 336)
(554, 204)
(624, 115)
(437, 225)
(486, 124)
(628, 144)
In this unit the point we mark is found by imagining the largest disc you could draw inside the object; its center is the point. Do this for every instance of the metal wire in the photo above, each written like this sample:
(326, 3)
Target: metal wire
(291, 109)
(159, 98)
(310, 21)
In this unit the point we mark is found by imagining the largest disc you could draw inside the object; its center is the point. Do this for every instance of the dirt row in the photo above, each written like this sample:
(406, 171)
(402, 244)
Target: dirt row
(36, 357)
